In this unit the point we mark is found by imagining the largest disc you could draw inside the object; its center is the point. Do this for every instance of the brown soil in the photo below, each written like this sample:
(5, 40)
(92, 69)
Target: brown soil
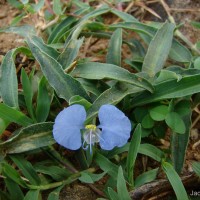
(183, 11)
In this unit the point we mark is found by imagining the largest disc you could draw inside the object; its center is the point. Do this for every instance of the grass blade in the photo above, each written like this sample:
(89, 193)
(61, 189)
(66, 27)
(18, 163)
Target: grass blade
(175, 181)
(114, 49)
(146, 177)
(12, 115)
(132, 153)
(121, 186)
(151, 151)
(28, 92)
(158, 50)
(103, 70)
(64, 85)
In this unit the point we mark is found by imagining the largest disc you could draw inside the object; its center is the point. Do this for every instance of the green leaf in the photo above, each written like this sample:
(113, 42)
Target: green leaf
(10, 114)
(16, 4)
(3, 125)
(171, 89)
(95, 87)
(54, 195)
(23, 31)
(166, 75)
(5, 196)
(175, 122)
(39, 43)
(17, 19)
(112, 194)
(27, 169)
(38, 6)
(197, 63)
(70, 52)
(139, 113)
(147, 122)
(57, 173)
(43, 100)
(13, 189)
(87, 177)
(99, 11)
(29, 138)
(151, 151)
(13, 175)
(121, 186)
(64, 85)
(175, 181)
(57, 7)
(114, 49)
(112, 96)
(179, 52)
(81, 101)
(158, 50)
(61, 29)
(196, 168)
(179, 142)
(138, 27)
(195, 24)
(9, 88)
(132, 153)
(123, 15)
(64, 27)
(28, 92)
(118, 150)
(103, 70)
(32, 195)
(146, 177)
(106, 165)
(159, 113)
(24, 1)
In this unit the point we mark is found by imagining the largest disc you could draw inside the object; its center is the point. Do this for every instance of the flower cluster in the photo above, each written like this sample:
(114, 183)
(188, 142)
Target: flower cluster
(69, 129)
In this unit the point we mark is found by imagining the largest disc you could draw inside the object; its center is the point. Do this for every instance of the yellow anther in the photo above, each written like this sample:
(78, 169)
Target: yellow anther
(91, 127)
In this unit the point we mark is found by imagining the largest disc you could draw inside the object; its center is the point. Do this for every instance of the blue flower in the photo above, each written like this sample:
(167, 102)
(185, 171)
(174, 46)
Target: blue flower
(69, 129)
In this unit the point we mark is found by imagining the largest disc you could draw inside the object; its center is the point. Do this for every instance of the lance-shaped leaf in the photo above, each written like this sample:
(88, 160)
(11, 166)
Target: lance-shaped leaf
(121, 186)
(124, 16)
(95, 70)
(179, 142)
(64, 85)
(151, 151)
(170, 89)
(9, 88)
(72, 45)
(112, 96)
(70, 52)
(114, 49)
(175, 181)
(29, 138)
(24, 31)
(178, 52)
(132, 153)
(158, 50)
(9, 114)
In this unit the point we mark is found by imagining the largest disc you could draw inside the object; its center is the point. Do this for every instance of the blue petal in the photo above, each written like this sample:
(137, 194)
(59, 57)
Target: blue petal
(66, 130)
(116, 127)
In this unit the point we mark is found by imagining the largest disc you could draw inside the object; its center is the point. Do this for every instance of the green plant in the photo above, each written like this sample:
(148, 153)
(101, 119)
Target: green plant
(156, 97)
